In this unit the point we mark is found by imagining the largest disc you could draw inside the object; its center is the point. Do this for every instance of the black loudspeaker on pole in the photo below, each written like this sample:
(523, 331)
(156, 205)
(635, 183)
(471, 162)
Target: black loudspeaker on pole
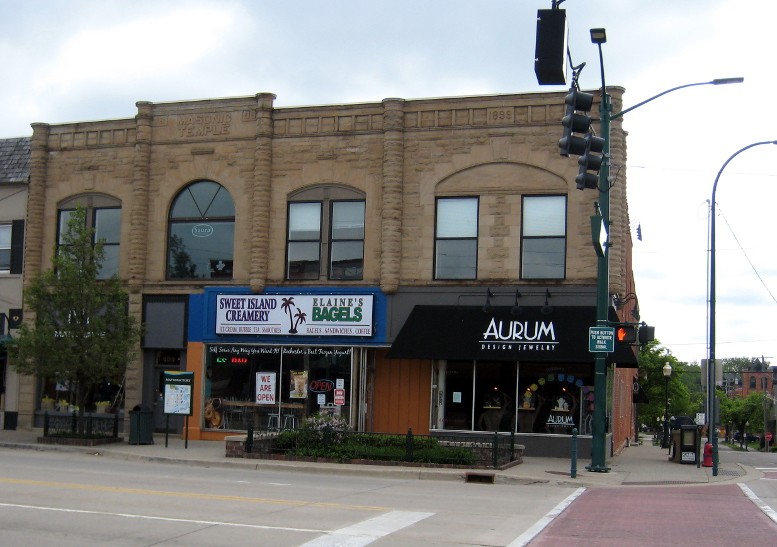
(550, 53)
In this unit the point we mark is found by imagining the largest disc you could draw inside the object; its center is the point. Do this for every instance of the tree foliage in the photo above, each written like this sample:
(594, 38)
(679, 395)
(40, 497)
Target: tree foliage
(81, 333)
(682, 390)
(745, 414)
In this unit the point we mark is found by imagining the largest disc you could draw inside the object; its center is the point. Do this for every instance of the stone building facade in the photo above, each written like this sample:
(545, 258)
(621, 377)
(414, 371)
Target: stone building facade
(395, 162)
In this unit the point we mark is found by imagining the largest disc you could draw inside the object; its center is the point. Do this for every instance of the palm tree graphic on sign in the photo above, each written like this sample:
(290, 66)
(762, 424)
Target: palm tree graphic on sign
(286, 305)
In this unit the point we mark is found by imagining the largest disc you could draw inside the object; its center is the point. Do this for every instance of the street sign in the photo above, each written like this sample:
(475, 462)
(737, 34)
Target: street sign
(769, 436)
(601, 339)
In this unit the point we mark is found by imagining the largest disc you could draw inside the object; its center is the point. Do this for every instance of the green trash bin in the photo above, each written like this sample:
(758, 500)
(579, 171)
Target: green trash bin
(141, 427)
(9, 423)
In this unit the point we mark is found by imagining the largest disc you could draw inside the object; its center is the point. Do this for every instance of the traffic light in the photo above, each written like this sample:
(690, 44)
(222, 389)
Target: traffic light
(574, 121)
(591, 160)
(626, 334)
(646, 334)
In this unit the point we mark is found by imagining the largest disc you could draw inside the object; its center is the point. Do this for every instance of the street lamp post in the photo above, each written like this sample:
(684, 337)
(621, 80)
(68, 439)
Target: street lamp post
(667, 370)
(598, 426)
(711, 417)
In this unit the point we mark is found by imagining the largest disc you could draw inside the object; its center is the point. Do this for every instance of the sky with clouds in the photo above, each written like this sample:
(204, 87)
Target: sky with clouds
(80, 60)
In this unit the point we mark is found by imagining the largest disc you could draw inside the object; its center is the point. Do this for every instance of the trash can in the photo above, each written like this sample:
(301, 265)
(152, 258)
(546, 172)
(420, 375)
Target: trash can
(141, 427)
(10, 420)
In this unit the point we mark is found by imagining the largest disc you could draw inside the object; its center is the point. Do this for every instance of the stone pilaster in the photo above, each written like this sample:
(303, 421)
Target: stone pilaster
(391, 217)
(262, 188)
(36, 199)
(138, 209)
(34, 228)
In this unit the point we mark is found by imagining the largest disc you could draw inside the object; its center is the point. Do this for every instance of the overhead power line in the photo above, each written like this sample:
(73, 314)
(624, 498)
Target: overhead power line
(755, 270)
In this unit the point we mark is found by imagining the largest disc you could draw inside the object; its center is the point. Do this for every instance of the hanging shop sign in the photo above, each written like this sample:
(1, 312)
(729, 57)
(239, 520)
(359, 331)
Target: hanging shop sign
(298, 314)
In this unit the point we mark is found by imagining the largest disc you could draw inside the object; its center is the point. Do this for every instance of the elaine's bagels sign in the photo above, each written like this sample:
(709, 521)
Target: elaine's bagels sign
(296, 315)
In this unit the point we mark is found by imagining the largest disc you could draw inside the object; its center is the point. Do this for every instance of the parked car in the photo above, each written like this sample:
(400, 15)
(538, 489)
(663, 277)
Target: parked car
(750, 437)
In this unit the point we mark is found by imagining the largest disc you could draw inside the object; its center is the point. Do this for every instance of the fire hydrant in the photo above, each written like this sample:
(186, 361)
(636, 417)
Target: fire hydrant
(707, 455)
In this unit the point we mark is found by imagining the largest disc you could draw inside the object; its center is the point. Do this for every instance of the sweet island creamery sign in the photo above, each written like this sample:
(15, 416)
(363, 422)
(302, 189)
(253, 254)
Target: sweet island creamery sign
(297, 315)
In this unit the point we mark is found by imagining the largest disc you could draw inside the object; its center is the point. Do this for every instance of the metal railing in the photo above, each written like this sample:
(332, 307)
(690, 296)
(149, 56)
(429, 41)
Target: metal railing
(483, 450)
(86, 426)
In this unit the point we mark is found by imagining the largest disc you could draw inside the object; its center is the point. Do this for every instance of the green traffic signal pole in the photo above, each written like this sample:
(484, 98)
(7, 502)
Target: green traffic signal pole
(598, 426)
(598, 429)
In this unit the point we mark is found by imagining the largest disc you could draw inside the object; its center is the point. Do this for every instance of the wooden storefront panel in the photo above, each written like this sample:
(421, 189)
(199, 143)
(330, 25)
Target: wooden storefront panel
(401, 397)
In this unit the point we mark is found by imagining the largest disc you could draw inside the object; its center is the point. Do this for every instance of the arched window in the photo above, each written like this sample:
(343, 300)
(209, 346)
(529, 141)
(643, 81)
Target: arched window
(201, 233)
(103, 215)
(752, 382)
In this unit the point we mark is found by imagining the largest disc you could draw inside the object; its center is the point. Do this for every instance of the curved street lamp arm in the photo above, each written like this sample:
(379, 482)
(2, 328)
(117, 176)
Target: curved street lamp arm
(716, 81)
(712, 438)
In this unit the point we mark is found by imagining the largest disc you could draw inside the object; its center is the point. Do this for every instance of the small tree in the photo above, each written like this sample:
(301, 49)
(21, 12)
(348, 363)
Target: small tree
(82, 332)
(739, 411)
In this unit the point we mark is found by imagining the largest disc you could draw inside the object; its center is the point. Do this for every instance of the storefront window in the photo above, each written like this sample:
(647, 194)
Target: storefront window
(553, 399)
(274, 387)
(495, 396)
(526, 398)
(479, 396)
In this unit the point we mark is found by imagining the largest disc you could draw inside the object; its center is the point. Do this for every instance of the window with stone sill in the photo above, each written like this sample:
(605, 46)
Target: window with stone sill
(456, 238)
(325, 226)
(543, 242)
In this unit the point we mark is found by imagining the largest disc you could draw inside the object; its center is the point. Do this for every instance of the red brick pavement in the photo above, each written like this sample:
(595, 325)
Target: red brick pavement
(694, 515)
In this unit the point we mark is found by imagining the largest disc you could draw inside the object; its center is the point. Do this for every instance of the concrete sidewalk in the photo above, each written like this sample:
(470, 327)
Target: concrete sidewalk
(642, 464)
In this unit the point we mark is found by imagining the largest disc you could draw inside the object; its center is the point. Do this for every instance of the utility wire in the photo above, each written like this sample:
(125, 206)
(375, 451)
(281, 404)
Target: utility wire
(758, 275)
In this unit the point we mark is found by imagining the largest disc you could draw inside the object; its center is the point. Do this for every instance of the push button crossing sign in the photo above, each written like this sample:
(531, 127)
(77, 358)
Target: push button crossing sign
(601, 339)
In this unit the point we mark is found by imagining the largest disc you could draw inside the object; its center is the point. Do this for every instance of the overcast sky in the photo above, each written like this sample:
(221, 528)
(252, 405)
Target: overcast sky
(69, 61)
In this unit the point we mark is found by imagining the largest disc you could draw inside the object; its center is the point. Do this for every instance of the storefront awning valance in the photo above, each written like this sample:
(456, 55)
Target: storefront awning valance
(467, 332)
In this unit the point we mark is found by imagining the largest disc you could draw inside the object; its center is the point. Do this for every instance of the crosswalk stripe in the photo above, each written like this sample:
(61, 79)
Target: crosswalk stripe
(540, 525)
(768, 511)
(367, 531)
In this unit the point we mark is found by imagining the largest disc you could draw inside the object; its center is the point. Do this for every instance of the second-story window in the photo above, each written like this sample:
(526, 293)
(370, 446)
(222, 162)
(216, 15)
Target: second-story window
(543, 243)
(304, 246)
(456, 238)
(346, 256)
(324, 229)
(201, 233)
(103, 214)
(5, 248)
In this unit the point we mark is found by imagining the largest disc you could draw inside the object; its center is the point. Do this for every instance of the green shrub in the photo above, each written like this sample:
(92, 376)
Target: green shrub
(322, 441)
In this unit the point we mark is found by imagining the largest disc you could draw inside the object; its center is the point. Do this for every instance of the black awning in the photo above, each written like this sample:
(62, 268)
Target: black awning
(467, 332)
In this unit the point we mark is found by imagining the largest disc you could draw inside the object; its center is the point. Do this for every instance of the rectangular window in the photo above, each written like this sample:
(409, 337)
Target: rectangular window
(544, 226)
(310, 222)
(456, 238)
(5, 248)
(107, 226)
(346, 254)
(304, 241)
